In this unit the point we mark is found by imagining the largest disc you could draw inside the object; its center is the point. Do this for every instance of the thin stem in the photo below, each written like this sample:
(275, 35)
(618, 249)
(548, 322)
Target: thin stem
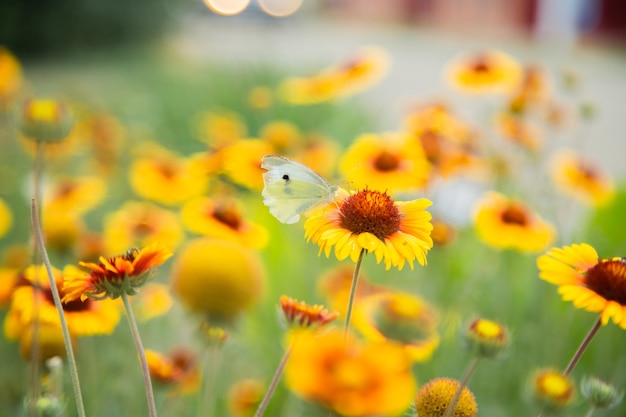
(213, 361)
(583, 347)
(590, 411)
(468, 374)
(275, 379)
(353, 288)
(142, 355)
(57, 303)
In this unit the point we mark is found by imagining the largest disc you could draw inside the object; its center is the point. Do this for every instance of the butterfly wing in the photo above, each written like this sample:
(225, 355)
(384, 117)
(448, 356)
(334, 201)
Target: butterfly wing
(292, 188)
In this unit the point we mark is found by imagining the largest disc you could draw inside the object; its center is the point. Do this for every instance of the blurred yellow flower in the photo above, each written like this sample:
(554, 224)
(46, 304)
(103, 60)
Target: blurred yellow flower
(62, 230)
(8, 279)
(434, 398)
(114, 276)
(443, 233)
(318, 153)
(552, 390)
(402, 318)
(532, 91)
(577, 176)
(335, 285)
(217, 278)
(84, 318)
(104, 135)
(519, 131)
(6, 218)
(49, 339)
(141, 224)
(45, 120)
(11, 77)
(223, 218)
(153, 300)
(358, 73)
(504, 223)
(488, 71)
(370, 221)
(349, 377)
(75, 195)
(283, 135)
(242, 162)
(167, 178)
(244, 397)
(590, 283)
(179, 369)
(219, 128)
(389, 161)
(260, 97)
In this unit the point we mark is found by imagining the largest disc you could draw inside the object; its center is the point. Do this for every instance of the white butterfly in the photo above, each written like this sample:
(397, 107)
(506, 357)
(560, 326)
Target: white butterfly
(292, 189)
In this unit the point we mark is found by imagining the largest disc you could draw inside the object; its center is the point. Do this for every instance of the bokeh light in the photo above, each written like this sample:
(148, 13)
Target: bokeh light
(227, 7)
(280, 8)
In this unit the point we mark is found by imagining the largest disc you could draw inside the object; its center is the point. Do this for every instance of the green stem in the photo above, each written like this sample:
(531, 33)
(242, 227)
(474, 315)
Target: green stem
(590, 411)
(275, 379)
(583, 346)
(134, 330)
(455, 398)
(213, 360)
(353, 288)
(57, 303)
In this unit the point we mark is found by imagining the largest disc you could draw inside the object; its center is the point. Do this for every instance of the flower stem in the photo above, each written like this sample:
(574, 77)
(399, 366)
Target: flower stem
(583, 346)
(212, 361)
(455, 398)
(353, 288)
(57, 303)
(142, 355)
(590, 412)
(270, 390)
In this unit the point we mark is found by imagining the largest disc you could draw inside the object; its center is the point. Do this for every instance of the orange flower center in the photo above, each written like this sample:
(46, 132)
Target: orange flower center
(514, 214)
(481, 64)
(608, 279)
(386, 161)
(370, 212)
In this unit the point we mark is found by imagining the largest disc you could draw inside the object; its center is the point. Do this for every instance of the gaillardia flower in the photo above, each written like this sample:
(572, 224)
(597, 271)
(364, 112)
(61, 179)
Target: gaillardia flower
(389, 161)
(552, 391)
(178, 369)
(510, 224)
(580, 178)
(371, 221)
(6, 218)
(352, 379)
(111, 277)
(594, 284)
(301, 315)
(244, 397)
(484, 72)
(223, 218)
(434, 398)
(84, 317)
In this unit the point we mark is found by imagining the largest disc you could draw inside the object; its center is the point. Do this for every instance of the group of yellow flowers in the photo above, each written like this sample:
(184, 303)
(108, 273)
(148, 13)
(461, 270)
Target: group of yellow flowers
(366, 369)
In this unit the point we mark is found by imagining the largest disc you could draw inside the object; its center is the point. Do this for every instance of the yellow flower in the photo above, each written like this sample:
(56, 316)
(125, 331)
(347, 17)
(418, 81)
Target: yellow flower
(223, 218)
(49, 339)
(242, 162)
(318, 153)
(62, 229)
(219, 128)
(400, 317)
(486, 338)
(443, 233)
(552, 390)
(594, 284)
(141, 224)
(217, 277)
(282, 135)
(167, 178)
(74, 195)
(8, 278)
(154, 300)
(45, 120)
(532, 91)
(10, 75)
(301, 315)
(578, 177)
(519, 131)
(509, 224)
(6, 219)
(84, 318)
(104, 134)
(396, 232)
(111, 277)
(390, 161)
(433, 399)
(361, 71)
(360, 380)
(244, 397)
(178, 369)
(335, 285)
(484, 72)
(260, 97)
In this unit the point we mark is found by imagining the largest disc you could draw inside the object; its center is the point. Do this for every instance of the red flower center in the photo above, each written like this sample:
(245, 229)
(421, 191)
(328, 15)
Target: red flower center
(370, 212)
(228, 216)
(608, 279)
(514, 214)
(386, 161)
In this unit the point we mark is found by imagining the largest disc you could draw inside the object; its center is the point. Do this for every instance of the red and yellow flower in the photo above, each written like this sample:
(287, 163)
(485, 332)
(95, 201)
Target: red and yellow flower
(178, 369)
(590, 283)
(371, 222)
(488, 71)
